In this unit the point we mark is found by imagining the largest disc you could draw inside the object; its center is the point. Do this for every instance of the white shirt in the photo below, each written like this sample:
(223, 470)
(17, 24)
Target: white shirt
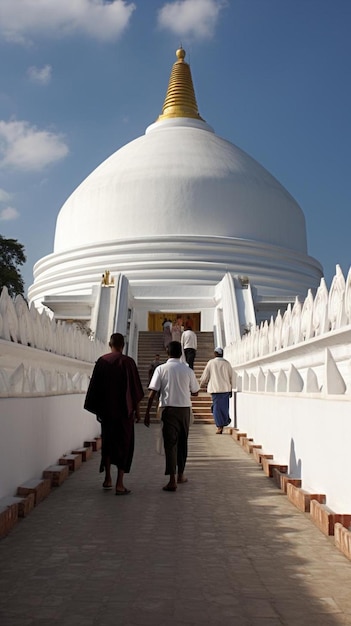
(218, 375)
(175, 381)
(189, 340)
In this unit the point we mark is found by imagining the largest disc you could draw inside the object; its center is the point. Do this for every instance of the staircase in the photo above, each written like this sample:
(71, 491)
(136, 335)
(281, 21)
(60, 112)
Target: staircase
(151, 343)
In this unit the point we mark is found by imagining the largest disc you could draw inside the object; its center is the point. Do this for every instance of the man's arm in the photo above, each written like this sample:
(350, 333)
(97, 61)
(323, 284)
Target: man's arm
(194, 385)
(148, 408)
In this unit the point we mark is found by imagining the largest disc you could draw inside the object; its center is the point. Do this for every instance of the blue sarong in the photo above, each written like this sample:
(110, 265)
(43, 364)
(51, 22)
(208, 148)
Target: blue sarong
(220, 408)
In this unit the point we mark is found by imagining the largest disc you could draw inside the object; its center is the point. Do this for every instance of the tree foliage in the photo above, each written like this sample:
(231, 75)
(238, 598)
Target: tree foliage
(11, 258)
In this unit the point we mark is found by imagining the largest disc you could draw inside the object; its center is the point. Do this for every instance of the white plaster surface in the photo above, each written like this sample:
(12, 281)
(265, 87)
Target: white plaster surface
(180, 179)
(36, 432)
(309, 434)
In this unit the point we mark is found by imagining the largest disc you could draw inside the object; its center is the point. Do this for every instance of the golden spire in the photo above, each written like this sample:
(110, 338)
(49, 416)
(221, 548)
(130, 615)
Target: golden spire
(180, 99)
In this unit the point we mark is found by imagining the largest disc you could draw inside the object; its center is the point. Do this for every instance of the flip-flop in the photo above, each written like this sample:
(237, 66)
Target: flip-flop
(182, 481)
(126, 492)
(169, 488)
(106, 487)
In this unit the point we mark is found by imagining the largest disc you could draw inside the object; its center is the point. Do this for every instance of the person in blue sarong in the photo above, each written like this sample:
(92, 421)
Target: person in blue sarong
(218, 376)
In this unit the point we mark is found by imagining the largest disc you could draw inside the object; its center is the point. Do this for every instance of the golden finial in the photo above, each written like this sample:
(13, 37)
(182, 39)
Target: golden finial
(180, 98)
(180, 53)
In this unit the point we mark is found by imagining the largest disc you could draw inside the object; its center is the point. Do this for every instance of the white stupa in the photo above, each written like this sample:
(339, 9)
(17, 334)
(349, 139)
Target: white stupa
(174, 211)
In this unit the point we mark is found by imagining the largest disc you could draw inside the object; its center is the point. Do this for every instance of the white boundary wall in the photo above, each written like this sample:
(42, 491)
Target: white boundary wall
(309, 434)
(293, 382)
(44, 373)
(36, 432)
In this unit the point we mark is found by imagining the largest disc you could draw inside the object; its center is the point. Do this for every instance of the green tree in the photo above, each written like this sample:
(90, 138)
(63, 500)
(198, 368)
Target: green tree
(11, 257)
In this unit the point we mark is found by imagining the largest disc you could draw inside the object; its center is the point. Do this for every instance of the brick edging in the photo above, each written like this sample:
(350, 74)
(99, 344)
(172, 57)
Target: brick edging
(32, 492)
(312, 504)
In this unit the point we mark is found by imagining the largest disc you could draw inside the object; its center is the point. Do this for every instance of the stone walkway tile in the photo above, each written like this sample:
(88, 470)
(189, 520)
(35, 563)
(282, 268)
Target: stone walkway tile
(227, 548)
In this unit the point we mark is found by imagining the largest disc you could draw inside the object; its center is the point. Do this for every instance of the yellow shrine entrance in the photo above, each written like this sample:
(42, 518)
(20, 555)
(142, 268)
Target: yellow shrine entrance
(155, 319)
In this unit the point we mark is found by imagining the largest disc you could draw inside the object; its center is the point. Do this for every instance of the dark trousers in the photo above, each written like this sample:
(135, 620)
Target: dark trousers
(190, 354)
(175, 437)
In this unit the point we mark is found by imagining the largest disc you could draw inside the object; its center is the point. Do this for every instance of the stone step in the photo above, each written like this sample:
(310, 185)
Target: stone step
(8, 519)
(74, 461)
(86, 452)
(57, 474)
(39, 487)
(25, 504)
(151, 343)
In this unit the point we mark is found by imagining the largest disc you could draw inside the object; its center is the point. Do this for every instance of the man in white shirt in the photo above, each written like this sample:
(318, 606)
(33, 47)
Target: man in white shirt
(189, 345)
(176, 383)
(218, 375)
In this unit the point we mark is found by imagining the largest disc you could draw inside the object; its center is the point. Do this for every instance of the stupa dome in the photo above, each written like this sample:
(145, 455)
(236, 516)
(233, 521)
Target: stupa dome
(180, 178)
(179, 205)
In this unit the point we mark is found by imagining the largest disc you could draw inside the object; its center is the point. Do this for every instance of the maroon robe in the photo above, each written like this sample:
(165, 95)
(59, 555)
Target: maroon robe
(113, 395)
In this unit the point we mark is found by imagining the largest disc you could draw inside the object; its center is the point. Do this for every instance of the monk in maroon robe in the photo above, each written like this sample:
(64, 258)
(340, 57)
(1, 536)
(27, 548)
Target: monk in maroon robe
(113, 395)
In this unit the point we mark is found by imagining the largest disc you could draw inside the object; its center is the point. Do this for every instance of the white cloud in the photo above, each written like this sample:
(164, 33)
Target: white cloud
(8, 214)
(40, 75)
(22, 19)
(4, 196)
(25, 147)
(191, 18)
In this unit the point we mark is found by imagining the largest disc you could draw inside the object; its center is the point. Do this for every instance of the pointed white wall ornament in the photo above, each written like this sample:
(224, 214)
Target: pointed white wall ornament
(278, 331)
(270, 381)
(5, 314)
(311, 385)
(256, 343)
(261, 380)
(253, 383)
(286, 328)
(336, 304)
(306, 316)
(246, 385)
(333, 381)
(296, 322)
(264, 342)
(271, 335)
(40, 381)
(282, 382)
(320, 321)
(17, 380)
(4, 383)
(37, 328)
(295, 380)
(25, 326)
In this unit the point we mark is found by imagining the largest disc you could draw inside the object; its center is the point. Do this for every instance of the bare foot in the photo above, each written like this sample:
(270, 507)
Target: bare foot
(170, 487)
(182, 479)
(123, 492)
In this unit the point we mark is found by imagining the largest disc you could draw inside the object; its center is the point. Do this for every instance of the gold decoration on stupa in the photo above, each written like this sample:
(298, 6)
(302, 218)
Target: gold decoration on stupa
(180, 99)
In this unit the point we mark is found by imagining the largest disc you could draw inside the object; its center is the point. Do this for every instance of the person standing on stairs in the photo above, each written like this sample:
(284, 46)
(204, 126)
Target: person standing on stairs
(176, 383)
(189, 346)
(155, 363)
(114, 394)
(218, 376)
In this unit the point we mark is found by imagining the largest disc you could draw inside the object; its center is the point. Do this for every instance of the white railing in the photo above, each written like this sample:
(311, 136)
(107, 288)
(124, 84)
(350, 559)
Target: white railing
(39, 356)
(305, 349)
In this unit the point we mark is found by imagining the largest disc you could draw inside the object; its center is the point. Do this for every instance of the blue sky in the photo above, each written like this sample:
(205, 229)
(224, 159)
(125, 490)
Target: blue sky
(81, 78)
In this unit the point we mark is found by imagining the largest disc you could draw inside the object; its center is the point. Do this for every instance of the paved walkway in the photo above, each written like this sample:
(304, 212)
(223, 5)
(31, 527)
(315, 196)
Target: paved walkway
(227, 548)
